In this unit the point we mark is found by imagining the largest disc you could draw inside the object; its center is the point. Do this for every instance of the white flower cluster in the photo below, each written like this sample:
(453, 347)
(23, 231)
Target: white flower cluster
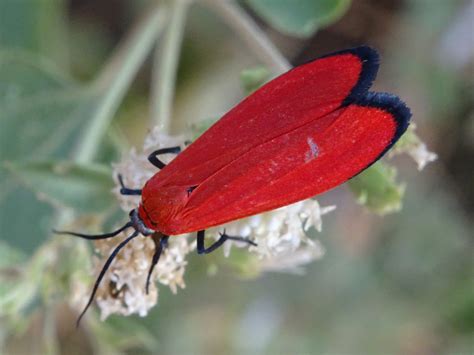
(280, 235)
(422, 156)
(412, 145)
(282, 242)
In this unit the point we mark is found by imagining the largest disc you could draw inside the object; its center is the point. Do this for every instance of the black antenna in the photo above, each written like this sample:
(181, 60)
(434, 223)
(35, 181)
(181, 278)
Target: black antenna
(96, 236)
(159, 246)
(104, 270)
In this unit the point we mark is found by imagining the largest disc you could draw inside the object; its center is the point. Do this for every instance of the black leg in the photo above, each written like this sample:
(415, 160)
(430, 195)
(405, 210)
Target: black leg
(153, 157)
(161, 242)
(125, 190)
(201, 249)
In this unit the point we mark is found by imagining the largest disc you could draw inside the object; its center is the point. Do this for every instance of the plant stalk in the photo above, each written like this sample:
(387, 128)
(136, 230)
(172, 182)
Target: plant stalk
(234, 16)
(166, 65)
(116, 77)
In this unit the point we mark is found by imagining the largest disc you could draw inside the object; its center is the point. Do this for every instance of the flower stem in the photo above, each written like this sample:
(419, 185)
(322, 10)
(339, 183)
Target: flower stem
(251, 33)
(166, 65)
(111, 86)
(116, 77)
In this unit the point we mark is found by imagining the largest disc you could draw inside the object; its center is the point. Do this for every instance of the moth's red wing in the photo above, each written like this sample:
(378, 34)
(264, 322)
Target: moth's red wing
(300, 96)
(307, 161)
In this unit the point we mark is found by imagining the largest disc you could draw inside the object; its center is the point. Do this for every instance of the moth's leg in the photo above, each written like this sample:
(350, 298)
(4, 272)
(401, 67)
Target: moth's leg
(125, 190)
(161, 242)
(239, 239)
(153, 157)
(201, 249)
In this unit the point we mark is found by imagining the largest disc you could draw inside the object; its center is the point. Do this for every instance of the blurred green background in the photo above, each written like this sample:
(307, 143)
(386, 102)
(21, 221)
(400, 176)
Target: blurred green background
(398, 284)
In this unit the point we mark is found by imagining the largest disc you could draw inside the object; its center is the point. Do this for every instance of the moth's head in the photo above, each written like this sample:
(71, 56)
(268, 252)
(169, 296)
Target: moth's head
(138, 224)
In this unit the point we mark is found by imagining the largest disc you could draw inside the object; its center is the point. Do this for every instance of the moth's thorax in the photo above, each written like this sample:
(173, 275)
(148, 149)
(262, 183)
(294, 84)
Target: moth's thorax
(160, 205)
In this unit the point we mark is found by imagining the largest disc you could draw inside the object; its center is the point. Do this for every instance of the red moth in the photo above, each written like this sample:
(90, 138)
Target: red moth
(303, 133)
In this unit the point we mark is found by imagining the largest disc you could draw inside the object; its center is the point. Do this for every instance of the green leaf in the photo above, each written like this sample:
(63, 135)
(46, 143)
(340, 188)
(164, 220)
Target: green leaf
(40, 126)
(85, 188)
(9, 255)
(251, 79)
(142, 338)
(41, 111)
(44, 126)
(36, 26)
(50, 123)
(23, 75)
(300, 18)
(16, 296)
(377, 189)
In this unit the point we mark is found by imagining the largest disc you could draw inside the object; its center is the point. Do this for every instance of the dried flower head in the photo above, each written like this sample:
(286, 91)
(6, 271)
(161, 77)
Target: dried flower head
(123, 288)
(280, 236)
(279, 232)
(282, 242)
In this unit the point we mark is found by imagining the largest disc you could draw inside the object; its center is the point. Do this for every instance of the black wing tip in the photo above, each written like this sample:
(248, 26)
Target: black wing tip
(360, 94)
(364, 52)
(396, 107)
(393, 105)
(370, 60)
